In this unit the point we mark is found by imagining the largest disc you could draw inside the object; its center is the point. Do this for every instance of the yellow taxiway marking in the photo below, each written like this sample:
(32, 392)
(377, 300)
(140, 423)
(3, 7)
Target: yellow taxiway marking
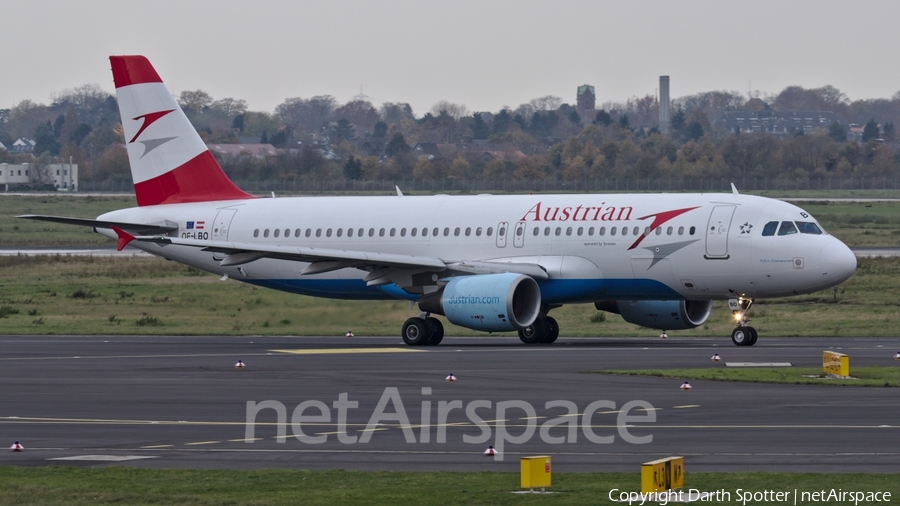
(202, 443)
(156, 446)
(334, 351)
(686, 406)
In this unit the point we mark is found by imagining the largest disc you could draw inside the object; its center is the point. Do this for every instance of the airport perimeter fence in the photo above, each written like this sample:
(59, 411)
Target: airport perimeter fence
(610, 185)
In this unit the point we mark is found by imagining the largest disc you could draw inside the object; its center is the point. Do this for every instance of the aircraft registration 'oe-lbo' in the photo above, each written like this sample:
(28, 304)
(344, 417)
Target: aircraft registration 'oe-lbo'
(487, 262)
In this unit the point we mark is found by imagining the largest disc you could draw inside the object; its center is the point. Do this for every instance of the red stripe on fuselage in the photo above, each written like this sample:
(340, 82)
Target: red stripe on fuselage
(199, 180)
(128, 70)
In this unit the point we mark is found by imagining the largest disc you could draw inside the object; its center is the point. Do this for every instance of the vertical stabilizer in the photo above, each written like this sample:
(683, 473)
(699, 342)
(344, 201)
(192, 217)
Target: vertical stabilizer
(169, 162)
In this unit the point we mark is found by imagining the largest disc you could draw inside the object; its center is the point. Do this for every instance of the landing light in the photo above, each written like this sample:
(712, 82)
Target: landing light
(738, 316)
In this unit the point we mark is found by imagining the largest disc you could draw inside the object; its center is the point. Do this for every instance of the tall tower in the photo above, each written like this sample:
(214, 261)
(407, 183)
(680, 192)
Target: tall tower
(664, 117)
(586, 101)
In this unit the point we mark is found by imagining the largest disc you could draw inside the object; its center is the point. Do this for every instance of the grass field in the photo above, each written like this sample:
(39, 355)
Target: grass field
(861, 376)
(116, 485)
(103, 295)
(855, 223)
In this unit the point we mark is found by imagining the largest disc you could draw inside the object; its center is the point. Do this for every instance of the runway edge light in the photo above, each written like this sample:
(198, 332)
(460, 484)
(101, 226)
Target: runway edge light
(450, 377)
(239, 364)
(897, 356)
(716, 357)
(490, 452)
(686, 386)
(16, 447)
(535, 472)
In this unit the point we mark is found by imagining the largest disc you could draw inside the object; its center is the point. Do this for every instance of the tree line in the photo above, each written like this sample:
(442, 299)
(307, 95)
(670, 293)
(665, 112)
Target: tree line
(544, 138)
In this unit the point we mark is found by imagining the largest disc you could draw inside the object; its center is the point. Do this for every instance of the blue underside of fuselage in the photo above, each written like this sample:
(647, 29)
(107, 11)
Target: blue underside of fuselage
(553, 291)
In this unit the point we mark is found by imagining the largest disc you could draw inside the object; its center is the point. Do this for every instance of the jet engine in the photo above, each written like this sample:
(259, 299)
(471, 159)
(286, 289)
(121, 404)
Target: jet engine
(489, 302)
(660, 314)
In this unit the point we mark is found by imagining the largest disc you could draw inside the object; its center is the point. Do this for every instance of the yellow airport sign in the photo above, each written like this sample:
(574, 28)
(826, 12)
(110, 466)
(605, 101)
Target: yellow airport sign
(536, 471)
(663, 474)
(837, 364)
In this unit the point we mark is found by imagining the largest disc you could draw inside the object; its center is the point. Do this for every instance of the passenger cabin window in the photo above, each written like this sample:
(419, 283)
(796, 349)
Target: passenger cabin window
(403, 232)
(256, 233)
(318, 232)
(490, 231)
(808, 227)
(328, 233)
(770, 228)
(693, 229)
(276, 232)
(297, 233)
(787, 228)
(266, 233)
(349, 232)
(602, 231)
(468, 231)
(478, 231)
(536, 231)
(340, 232)
(308, 232)
(413, 232)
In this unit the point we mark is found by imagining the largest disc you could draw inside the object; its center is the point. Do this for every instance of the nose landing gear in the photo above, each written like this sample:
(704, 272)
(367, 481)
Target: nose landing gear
(743, 334)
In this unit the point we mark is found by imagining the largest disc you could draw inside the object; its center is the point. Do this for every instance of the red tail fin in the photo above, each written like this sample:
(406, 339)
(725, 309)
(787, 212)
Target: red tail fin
(169, 161)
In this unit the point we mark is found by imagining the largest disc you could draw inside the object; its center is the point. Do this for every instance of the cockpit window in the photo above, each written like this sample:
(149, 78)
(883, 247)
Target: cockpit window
(770, 228)
(787, 228)
(808, 227)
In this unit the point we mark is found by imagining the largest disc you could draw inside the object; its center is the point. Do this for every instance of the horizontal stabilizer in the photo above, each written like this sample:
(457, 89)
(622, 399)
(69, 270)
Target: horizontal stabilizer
(133, 228)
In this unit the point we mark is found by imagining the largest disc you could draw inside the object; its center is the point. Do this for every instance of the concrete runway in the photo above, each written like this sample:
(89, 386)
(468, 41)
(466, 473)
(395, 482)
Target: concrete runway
(179, 402)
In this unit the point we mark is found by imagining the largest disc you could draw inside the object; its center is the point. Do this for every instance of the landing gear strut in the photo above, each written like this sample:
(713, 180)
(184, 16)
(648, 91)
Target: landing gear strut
(423, 330)
(544, 330)
(743, 334)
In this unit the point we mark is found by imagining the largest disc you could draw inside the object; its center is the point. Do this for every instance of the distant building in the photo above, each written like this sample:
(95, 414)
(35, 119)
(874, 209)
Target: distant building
(2, 146)
(22, 145)
(63, 176)
(586, 103)
(259, 151)
(780, 124)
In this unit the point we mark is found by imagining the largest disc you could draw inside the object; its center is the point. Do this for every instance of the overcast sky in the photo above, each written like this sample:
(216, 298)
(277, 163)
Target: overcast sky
(485, 54)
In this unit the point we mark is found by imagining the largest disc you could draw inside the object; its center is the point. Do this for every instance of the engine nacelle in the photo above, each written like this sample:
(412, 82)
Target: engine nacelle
(660, 314)
(489, 302)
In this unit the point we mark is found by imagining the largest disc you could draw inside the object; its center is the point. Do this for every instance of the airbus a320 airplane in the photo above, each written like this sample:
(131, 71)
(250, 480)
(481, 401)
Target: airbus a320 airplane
(490, 263)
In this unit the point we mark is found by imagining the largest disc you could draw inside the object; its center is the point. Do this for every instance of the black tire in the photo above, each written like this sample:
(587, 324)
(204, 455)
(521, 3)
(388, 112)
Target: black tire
(437, 331)
(551, 330)
(533, 333)
(740, 336)
(415, 332)
(753, 336)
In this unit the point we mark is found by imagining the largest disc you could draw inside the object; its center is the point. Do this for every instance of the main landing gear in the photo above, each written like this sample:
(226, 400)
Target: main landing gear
(422, 330)
(743, 334)
(544, 330)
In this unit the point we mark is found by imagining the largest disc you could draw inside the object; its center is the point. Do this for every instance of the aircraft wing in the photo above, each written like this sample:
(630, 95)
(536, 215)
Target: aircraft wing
(324, 260)
(134, 228)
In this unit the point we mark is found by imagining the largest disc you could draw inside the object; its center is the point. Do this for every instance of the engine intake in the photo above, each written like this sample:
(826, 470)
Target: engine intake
(660, 314)
(489, 302)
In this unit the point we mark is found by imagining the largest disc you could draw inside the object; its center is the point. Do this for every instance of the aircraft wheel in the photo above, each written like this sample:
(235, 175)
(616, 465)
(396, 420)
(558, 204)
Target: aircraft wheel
(437, 331)
(551, 330)
(415, 332)
(532, 334)
(753, 336)
(740, 336)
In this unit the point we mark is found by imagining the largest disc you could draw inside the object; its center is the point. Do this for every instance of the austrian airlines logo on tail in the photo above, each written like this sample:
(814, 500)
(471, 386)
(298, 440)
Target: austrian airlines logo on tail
(149, 119)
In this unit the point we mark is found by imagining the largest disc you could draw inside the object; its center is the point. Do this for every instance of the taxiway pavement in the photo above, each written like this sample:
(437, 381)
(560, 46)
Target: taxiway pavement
(179, 402)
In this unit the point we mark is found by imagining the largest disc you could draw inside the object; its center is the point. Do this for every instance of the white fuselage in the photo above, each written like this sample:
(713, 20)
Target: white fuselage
(700, 246)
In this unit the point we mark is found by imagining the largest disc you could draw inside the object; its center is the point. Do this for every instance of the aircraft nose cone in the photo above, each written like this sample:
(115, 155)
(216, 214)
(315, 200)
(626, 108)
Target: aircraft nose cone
(837, 261)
